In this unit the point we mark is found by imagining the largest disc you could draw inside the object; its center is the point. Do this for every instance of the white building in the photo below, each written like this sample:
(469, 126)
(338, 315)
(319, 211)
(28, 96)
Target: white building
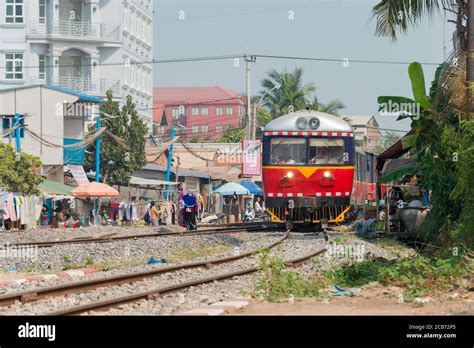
(89, 46)
(49, 124)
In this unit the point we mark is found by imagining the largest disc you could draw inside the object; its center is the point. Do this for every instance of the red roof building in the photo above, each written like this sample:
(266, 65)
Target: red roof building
(205, 112)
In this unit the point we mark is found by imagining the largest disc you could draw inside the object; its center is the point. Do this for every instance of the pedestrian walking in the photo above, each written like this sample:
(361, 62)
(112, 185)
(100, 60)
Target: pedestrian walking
(154, 214)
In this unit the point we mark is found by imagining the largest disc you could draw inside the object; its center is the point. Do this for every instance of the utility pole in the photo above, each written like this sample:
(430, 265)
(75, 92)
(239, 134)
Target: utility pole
(470, 58)
(17, 135)
(248, 60)
(97, 151)
(170, 159)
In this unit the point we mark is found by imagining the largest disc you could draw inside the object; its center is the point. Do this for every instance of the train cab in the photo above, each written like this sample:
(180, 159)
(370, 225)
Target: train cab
(308, 167)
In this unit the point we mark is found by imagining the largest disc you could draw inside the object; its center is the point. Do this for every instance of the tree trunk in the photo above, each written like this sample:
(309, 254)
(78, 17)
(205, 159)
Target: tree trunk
(470, 59)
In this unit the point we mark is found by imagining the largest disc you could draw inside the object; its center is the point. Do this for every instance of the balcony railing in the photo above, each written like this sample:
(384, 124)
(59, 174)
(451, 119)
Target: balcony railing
(86, 84)
(109, 32)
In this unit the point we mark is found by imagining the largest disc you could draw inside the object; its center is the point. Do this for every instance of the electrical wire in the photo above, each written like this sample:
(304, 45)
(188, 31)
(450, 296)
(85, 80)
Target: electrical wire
(233, 56)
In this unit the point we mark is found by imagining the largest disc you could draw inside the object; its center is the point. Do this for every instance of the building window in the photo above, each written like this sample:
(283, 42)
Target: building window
(228, 110)
(125, 17)
(42, 11)
(8, 123)
(205, 129)
(14, 11)
(13, 66)
(219, 111)
(195, 129)
(219, 128)
(176, 113)
(205, 111)
(195, 111)
(42, 66)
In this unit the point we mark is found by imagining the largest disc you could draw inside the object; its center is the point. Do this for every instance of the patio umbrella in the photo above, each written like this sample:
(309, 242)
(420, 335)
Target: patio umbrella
(95, 189)
(230, 188)
(253, 188)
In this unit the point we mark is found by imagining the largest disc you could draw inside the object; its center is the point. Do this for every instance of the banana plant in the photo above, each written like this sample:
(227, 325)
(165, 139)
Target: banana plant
(410, 107)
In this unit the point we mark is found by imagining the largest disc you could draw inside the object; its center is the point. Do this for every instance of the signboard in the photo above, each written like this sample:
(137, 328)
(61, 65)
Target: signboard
(252, 163)
(79, 174)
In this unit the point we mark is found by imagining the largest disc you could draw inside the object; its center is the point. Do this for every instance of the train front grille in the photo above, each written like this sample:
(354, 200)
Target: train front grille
(306, 214)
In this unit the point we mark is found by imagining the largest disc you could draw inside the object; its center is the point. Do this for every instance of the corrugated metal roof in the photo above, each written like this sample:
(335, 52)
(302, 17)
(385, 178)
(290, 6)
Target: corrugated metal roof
(80, 95)
(182, 172)
(150, 182)
(170, 95)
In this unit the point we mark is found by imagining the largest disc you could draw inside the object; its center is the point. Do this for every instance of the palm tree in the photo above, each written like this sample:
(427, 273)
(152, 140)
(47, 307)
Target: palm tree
(332, 107)
(396, 16)
(291, 93)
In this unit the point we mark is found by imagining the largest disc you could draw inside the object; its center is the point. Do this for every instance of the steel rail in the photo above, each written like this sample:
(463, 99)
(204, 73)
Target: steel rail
(108, 239)
(150, 294)
(58, 290)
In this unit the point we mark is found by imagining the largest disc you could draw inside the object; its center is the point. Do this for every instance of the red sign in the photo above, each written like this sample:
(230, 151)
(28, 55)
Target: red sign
(252, 158)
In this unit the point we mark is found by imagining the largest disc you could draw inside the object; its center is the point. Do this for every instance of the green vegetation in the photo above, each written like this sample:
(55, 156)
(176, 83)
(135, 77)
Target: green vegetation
(189, 254)
(419, 276)
(19, 176)
(122, 148)
(68, 264)
(443, 144)
(284, 91)
(276, 283)
(232, 135)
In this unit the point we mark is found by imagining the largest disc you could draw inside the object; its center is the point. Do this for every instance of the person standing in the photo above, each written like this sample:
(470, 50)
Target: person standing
(154, 214)
(258, 206)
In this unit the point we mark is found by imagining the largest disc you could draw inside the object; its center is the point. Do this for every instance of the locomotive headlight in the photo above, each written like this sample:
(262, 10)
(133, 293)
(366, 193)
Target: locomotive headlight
(289, 175)
(328, 175)
(301, 123)
(314, 123)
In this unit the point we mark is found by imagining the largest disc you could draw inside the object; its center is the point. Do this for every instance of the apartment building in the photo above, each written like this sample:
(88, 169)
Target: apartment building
(366, 130)
(89, 46)
(203, 112)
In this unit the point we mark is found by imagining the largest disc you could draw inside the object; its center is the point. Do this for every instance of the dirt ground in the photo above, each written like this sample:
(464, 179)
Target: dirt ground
(367, 302)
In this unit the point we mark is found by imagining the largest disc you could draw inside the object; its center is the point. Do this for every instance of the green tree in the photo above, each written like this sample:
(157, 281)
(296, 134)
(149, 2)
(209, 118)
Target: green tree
(443, 143)
(394, 17)
(285, 90)
(292, 92)
(232, 135)
(19, 176)
(122, 148)
(333, 107)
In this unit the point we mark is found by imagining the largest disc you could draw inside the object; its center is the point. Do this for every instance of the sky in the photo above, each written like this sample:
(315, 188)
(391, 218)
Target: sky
(335, 29)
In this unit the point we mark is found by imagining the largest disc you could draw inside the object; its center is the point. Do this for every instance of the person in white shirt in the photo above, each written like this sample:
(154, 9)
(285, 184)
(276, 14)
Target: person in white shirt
(258, 207)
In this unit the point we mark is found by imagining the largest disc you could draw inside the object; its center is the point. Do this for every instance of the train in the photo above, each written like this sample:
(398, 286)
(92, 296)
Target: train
(312, 170)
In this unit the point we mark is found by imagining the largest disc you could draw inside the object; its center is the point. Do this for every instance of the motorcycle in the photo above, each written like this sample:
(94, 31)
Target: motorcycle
(251, 215)
(217, 218)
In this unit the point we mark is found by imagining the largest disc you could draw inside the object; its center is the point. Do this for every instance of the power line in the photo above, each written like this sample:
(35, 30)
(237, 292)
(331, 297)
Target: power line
(234, 56)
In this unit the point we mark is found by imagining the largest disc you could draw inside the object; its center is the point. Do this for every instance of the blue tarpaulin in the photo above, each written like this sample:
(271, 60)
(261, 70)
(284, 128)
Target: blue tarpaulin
(253, 188)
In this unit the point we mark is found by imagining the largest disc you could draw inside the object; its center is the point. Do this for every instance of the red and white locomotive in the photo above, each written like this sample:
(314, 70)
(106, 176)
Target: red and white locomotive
(311, 170)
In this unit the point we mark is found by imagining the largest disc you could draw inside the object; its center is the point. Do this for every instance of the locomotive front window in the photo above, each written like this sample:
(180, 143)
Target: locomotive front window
(326, 151)
(288, 151)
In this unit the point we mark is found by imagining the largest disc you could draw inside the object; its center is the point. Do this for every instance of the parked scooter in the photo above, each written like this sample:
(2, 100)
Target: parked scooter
(210, 218)
(251, 215)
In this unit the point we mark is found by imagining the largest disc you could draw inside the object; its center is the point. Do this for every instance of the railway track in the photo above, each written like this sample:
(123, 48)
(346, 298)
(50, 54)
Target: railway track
(230, 228)
(73, 287)
(144, 293)
(150, 294)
